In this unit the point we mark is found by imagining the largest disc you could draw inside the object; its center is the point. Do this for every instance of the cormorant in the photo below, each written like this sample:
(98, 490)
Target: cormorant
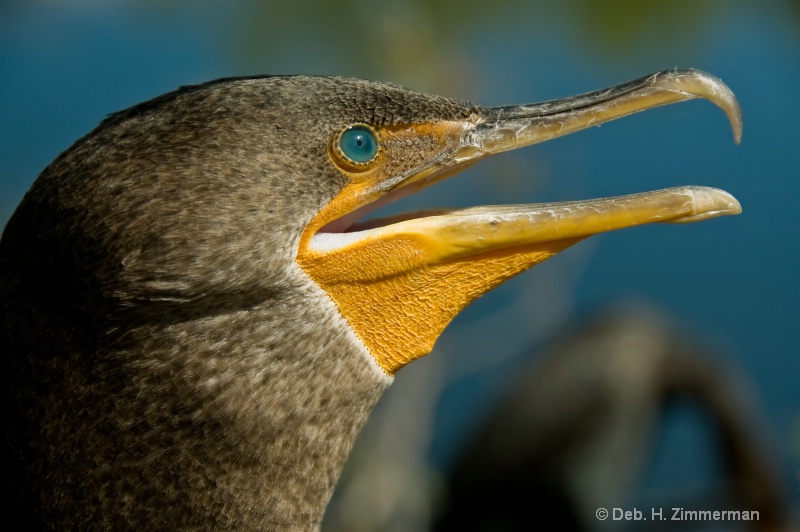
(195, 323)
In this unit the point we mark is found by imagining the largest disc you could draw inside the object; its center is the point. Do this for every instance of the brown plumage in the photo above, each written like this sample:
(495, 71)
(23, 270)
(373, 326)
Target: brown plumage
(156, 326)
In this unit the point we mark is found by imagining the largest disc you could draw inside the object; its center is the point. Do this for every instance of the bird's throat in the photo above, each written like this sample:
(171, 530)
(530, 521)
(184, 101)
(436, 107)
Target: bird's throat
(401, 303)
(399, 285)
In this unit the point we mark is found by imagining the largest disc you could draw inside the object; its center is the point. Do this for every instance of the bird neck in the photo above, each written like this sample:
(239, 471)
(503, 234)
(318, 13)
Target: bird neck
(277, 417)
(240, 420)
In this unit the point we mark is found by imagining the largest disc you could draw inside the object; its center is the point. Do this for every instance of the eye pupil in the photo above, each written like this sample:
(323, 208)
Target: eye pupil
(359, 144)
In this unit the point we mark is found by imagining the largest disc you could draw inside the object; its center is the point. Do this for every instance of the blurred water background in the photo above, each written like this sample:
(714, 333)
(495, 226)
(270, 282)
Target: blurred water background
(65, 65)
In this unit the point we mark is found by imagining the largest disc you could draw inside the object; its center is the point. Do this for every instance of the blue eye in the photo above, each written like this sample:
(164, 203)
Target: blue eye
(358, 143)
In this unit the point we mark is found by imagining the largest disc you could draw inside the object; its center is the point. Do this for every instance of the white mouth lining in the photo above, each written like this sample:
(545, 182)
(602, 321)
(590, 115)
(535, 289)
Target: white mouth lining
(327, 242)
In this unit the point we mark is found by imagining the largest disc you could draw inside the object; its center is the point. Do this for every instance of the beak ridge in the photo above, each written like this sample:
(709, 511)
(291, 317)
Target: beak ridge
(506, 128)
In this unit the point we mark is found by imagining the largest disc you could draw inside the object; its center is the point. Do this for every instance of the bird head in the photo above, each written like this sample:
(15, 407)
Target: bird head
(399, 281)
(208, 199)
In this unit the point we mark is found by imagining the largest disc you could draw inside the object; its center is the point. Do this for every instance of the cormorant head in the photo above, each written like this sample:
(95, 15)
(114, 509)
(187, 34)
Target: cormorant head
(399, 281)
(203, 199)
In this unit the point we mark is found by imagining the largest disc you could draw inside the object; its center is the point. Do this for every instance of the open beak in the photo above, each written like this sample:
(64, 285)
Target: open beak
(399, 281)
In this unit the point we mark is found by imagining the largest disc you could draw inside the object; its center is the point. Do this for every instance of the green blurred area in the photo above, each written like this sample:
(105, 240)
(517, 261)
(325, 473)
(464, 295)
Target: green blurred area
(422, 42)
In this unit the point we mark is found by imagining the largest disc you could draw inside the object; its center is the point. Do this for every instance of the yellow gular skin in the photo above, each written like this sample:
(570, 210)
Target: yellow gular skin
(397, 295)
(399, 285)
